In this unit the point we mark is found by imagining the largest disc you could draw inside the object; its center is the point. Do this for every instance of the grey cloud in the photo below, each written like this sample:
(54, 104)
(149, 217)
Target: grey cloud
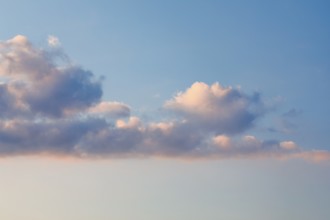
(58, 137)
(46, 88)
(111, 142)
(70, 89)
(6, 100)
(292, 113)
(287, 122)
(173, 139)
(94, 137)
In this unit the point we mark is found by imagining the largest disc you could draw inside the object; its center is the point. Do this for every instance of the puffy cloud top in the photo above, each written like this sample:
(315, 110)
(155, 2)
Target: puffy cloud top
(222, 109)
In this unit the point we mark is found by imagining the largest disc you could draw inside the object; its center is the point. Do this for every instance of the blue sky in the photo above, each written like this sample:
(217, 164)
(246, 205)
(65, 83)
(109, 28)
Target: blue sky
(225, 99)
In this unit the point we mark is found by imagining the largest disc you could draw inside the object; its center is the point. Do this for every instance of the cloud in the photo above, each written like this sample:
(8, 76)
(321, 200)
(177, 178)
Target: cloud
(217, 108)
(19, 137)
(110, 109)
(314, 155)
(36, 85)
(250, 146)
(50, 106)
(173, 139)
(53, 41)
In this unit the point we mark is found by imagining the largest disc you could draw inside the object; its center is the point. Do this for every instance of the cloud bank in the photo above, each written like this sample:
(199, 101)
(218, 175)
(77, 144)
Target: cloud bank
(49, 106)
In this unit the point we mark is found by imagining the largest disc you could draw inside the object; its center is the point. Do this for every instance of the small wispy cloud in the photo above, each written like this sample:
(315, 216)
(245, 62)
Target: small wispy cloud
(56, 108)
(53, 41)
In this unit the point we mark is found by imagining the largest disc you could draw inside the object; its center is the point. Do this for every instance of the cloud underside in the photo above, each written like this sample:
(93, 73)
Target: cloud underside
(49, 106)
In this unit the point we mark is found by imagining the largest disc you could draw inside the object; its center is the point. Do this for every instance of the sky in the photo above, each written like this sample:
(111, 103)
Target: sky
(164, 110)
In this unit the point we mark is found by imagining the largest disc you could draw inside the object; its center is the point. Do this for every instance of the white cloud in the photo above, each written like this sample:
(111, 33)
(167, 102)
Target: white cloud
(132, 123)
(288, 145)
(250, 146)
(222, 109)
(110, 109)
(222, 141)
(53, 41)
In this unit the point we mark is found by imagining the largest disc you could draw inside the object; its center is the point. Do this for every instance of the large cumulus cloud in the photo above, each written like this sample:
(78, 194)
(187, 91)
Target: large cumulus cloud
(48, 106)
(36, 85)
